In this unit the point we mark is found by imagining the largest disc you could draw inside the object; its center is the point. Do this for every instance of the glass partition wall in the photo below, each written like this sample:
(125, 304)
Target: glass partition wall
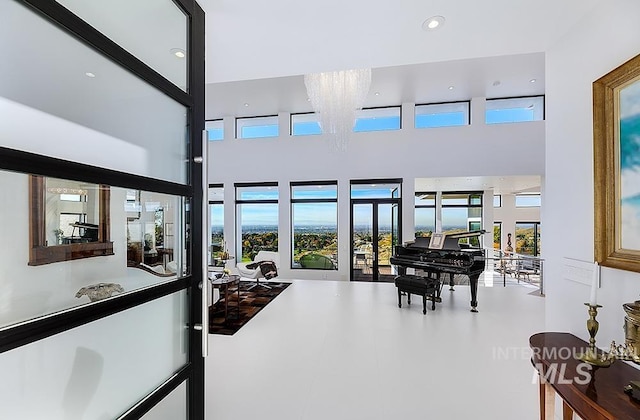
(100, 310)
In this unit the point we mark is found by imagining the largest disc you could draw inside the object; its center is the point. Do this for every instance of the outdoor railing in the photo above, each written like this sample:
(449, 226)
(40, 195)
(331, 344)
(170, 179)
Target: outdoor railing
(516, 265)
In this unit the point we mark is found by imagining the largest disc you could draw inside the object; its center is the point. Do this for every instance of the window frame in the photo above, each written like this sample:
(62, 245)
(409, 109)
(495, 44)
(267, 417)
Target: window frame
(467, 114)
(292, 124)
(373, 109)
(240, 202)
(294, 201)
(520, 206)
(210, 203)
(467, 206)
(425, 206)
(514, 98)
(238, 126)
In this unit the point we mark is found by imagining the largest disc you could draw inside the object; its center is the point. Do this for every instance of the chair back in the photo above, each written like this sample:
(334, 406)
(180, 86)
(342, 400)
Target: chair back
(268, 256)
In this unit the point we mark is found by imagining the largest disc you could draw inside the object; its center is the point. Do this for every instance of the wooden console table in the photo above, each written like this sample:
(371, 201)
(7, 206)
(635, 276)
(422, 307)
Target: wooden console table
(596, 394)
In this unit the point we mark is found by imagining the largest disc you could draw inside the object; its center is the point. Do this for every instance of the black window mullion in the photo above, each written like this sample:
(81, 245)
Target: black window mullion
(34, 164)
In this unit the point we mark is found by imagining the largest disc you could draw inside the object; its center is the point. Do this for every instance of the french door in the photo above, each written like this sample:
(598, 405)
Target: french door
(374, 232)
(95, 124)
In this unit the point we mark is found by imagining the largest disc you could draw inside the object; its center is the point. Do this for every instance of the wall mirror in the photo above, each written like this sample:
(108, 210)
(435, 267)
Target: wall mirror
(69, 220)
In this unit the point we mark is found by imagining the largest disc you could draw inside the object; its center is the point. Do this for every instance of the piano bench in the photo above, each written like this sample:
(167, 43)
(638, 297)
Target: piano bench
(417, 285)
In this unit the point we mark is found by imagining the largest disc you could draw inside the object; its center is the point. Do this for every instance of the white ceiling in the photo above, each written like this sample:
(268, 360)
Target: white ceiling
(258, 52)
(257, 39)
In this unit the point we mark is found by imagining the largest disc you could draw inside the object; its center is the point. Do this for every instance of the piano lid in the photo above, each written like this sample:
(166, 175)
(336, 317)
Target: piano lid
(450, 240)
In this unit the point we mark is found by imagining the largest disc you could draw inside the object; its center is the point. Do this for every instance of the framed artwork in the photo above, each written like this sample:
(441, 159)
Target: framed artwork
(437, 241)
(616, 166)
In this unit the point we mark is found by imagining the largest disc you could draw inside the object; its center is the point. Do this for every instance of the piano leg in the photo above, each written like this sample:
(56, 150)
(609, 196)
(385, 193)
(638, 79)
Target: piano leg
(473, 283)
(399, 298)
(451, 282)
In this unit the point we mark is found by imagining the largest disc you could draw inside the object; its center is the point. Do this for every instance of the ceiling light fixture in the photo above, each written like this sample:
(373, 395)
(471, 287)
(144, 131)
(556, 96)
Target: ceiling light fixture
(246, 104)
(450, 87)
(532, 81)
(178, 52)
(336, 96)
(434, 22)
(89, 74)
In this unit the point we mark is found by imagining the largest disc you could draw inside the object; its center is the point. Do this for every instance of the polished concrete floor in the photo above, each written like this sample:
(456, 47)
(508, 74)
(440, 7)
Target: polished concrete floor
(344, 350)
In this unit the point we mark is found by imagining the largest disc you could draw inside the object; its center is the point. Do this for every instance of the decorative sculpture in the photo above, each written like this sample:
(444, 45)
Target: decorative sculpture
(100, 291)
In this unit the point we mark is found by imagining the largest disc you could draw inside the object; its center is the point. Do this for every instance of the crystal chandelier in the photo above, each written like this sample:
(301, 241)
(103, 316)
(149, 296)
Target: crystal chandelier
(336, 96)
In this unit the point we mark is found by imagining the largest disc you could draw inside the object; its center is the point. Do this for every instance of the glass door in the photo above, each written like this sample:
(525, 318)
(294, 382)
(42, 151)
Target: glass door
(362, 241)
(387, 238)
(374, 233)
(101, 314)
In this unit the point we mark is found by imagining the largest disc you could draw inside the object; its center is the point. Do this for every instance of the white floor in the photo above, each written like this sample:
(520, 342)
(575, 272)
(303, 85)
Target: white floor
(343, 350)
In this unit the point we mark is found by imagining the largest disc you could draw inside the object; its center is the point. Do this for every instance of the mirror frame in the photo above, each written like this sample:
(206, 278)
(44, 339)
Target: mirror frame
(40, 253)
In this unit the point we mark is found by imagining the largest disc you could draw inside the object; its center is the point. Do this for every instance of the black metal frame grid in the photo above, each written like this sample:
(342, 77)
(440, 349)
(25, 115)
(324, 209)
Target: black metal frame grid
(13, 337)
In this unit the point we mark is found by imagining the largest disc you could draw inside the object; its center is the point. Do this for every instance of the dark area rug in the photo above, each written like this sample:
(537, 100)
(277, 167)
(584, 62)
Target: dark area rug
(251, 302)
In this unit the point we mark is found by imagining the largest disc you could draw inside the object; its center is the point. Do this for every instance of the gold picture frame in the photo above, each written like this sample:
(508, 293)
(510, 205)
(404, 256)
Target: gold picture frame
(616, 167)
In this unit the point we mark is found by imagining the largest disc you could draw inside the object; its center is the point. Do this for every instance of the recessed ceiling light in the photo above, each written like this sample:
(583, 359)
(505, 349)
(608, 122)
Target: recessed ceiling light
(432, 23)
(178, 52)
(377, 93)
(532, 81)
(89, 74)
(496, 83)
(246, 104)
(450, 87)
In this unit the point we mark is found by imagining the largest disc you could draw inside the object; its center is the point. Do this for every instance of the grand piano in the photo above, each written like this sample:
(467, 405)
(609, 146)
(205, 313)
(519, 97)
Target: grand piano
(447, 256)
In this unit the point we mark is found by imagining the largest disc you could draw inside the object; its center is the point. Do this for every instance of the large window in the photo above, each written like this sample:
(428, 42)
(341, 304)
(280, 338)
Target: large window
(305, 124)
(441, 115)
(377, 119)
(425, 214)
(528, 238)
(314, 220)
(462, 212)
(216, 224)
(511, 110)
(257, 127)
(257, 219)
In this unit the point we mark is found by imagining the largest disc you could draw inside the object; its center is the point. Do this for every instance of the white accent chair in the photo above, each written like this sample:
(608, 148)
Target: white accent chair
(256, 273)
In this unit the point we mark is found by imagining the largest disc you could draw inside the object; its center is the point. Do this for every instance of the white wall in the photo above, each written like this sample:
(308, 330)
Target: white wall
(474, 150)
(604, 39)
